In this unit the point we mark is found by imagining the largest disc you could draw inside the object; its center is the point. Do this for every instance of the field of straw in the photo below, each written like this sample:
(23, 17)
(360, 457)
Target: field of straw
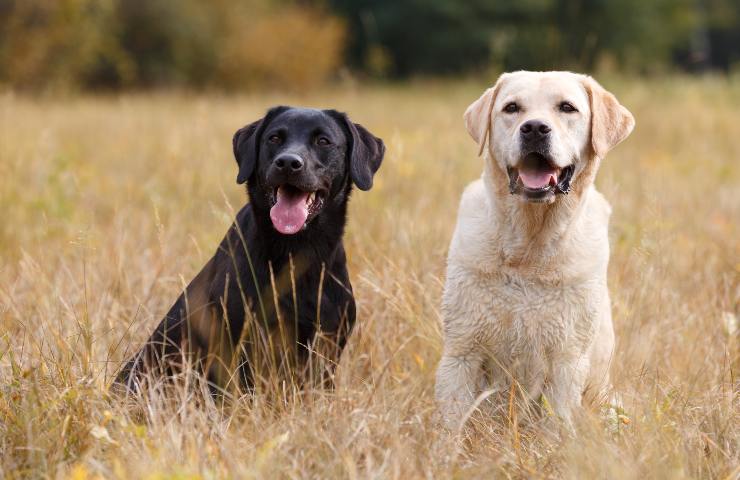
(111, 204)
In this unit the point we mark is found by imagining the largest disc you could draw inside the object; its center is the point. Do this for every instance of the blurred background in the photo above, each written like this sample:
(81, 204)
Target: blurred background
(281, 44)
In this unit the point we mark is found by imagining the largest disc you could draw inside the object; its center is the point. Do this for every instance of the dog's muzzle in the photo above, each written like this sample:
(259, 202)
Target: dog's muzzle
(536, 178)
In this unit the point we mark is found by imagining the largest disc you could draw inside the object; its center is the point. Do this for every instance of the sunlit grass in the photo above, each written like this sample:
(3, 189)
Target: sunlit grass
(111, 205)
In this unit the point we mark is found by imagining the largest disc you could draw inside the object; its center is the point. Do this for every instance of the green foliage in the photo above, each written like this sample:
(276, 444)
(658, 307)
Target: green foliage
(447, 36)
(172, 41)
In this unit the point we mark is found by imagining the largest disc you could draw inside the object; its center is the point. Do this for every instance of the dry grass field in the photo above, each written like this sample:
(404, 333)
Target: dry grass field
(111, 204)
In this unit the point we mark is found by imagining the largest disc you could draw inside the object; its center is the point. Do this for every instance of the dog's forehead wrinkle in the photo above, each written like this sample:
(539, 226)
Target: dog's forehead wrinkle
(542, 88)
(330, 130)
(305, 118)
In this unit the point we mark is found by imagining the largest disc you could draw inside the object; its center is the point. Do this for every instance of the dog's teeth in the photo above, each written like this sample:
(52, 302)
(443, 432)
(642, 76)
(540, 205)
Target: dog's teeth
(312, 197)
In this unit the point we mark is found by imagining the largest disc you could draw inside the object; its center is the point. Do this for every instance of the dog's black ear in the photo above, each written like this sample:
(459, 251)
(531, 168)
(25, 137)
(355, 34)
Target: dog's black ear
(246, 143)
(365, 149)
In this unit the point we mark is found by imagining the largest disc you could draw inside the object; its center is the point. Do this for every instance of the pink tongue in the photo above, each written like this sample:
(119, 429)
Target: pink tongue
(538, 178)
(289, 212)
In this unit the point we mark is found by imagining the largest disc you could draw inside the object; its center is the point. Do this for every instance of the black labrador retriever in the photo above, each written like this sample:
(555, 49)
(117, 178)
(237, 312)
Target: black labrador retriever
(277, 290)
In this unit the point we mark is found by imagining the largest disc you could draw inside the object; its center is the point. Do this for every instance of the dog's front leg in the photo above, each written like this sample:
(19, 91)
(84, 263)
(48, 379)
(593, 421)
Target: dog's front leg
(458, 378)
(188, 328)
(565, 388)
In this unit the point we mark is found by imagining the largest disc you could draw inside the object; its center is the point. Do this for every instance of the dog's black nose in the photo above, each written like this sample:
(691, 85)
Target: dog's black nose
(534, 129)
(289, 162)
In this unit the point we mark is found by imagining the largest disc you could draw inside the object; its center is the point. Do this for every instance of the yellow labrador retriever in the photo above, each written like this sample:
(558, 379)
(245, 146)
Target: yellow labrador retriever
(526, 297)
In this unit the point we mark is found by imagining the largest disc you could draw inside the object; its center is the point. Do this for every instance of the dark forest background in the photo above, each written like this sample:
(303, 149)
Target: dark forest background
(247, 44)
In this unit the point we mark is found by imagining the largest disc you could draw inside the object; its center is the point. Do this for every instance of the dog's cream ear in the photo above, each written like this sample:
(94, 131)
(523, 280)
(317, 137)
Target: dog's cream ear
(610, 121)
(478, 115)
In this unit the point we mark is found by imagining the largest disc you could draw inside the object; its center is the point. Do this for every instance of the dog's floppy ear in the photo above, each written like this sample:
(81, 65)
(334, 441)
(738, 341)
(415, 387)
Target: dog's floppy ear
(365, 149)
(246, 143)
(478, 115)
(610, 121)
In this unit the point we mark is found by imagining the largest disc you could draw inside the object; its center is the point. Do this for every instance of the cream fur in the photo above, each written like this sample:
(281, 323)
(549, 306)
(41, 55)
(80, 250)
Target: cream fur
(526, 293)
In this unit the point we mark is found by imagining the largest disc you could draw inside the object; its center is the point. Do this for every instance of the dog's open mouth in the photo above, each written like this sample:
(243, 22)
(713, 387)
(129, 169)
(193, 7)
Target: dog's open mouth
(537, 179)
(293, 208)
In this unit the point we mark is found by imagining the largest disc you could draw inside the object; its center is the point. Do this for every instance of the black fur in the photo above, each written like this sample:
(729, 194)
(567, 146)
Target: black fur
(232, 297)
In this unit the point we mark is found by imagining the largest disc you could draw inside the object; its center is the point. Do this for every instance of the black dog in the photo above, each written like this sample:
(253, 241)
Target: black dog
(278, 285)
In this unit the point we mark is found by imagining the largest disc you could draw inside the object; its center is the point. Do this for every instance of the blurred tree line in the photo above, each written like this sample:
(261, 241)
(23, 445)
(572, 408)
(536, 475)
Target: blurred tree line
(237, 44)
(447, 36)
(93, 44)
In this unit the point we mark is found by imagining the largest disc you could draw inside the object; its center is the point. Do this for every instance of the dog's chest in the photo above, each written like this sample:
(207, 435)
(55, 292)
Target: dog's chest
(527, 317)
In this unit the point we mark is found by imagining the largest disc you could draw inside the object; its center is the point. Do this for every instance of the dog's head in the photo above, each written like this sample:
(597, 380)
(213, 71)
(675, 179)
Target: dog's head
(547, 131)
(299, 162)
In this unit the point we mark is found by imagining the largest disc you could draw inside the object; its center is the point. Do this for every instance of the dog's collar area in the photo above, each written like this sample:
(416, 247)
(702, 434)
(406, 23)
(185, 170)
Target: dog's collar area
(562, 187)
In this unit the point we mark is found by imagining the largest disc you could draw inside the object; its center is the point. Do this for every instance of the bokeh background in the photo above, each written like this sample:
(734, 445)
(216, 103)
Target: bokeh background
(117, 183)
(251, 44)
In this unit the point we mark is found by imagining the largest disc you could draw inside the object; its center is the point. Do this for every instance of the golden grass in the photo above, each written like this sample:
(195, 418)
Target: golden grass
(110, 205)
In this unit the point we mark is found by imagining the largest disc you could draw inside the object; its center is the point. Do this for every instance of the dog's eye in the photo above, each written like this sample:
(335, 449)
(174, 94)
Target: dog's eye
(323, 141)
(567, 107)
(274, 139)
(511, 107)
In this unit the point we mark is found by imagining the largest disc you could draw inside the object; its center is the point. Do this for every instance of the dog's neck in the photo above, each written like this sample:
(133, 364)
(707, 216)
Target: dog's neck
(531, 234)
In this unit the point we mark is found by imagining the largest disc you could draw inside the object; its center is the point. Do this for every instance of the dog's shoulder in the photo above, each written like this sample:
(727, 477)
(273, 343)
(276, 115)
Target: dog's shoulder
(473, 196)
(474, 208)
(238, 260)
(241, 233)
(474, 226)
(245, 220)
(597, 213)
(599, 203)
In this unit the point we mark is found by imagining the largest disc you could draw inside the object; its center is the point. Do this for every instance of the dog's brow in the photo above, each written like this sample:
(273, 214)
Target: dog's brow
(276, 131)
(511, 98)
(320, 130)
